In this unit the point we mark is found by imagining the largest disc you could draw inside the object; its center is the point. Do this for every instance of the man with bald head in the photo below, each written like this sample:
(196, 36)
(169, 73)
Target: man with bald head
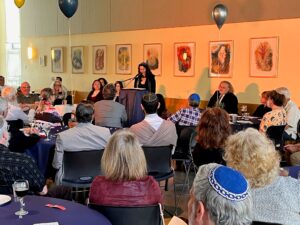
(25, 98)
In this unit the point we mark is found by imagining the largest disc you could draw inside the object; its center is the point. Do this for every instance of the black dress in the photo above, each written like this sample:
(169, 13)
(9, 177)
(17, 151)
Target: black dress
(96, 98)
(229, 102)
(150, 84)
(261, 110)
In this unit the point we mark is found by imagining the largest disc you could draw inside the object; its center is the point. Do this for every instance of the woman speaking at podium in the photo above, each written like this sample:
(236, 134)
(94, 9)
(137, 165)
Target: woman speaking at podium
(145, 78)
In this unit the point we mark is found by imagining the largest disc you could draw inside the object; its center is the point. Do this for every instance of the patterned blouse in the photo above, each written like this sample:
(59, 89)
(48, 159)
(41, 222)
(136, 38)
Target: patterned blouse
(275, 117)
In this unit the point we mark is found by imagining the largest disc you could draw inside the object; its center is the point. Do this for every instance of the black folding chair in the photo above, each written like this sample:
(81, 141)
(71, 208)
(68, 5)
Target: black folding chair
(159, 164)
(79, 170)
(275, 134)
(137, 215)
(264, 223)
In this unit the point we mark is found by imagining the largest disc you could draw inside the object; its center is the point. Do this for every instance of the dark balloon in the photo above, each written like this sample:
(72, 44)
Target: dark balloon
(219, 14)
(68, 7)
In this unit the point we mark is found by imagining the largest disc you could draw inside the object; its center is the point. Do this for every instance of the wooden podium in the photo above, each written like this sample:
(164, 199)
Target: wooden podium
(131, 98)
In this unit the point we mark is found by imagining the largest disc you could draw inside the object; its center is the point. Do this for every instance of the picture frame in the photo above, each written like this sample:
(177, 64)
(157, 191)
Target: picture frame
(99, 59)
(123, 58)
(184, 59)
(221, 58)
(264, 53)
(77, 59)
(153, 57)
(57, 59)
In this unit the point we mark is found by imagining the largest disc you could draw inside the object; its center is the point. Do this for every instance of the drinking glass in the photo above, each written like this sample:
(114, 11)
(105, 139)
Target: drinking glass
(243, 110)
(21, 188)
(47, 128)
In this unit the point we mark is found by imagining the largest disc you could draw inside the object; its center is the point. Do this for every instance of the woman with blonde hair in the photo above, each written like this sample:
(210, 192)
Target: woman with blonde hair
(276, 198)
(125, 181)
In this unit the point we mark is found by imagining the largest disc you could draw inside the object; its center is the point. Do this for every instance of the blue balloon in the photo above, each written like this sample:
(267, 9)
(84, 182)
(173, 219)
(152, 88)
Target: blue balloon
(68, 7)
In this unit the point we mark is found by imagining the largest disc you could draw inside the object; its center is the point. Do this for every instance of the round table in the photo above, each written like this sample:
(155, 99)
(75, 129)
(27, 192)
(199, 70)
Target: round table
(75, 214)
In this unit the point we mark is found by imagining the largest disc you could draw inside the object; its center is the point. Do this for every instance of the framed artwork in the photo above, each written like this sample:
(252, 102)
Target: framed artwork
(57, 60)
(184, 59)
(77, 58)
(123, 59)
(264, 57)
(99, 59)
(152, 56)
(220, 58)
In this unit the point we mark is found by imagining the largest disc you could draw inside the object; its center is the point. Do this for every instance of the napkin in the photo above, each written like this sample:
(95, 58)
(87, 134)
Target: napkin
(56, 206)
(176, 221)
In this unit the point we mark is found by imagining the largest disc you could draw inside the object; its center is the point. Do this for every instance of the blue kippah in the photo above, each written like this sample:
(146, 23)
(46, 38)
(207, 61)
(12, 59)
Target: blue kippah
(229, 183)
(194, 98)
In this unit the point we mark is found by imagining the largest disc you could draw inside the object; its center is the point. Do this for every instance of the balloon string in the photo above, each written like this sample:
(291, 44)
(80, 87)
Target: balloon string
(219, 64)
(70, 47)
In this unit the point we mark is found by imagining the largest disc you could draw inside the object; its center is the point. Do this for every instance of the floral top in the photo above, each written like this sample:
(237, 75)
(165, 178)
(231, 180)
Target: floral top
(275, 117)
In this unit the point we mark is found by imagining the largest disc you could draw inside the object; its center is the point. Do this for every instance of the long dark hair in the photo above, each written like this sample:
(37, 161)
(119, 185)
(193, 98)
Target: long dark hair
(149, 74)
(162, 108)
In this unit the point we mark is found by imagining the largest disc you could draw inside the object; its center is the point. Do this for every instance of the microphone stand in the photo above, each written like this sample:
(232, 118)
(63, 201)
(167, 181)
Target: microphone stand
(130, 80)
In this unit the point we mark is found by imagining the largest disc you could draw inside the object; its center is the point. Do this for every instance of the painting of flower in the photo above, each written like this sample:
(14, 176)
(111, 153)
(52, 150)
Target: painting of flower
(152, 56)
(263, 57)
(123, 59)
(184, 59)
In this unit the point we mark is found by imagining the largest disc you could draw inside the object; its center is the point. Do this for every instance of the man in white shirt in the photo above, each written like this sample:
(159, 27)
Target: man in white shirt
(293, 115)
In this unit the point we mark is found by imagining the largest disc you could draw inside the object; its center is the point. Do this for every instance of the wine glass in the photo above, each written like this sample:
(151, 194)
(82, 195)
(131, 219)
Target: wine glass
(47, 127)
(21, 188)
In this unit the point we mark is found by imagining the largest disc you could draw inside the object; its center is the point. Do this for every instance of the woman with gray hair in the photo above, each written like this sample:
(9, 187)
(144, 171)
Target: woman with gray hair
(276, 198)
(126, 182)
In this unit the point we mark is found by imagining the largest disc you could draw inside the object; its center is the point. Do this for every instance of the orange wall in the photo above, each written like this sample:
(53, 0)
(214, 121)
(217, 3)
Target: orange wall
(247, 88)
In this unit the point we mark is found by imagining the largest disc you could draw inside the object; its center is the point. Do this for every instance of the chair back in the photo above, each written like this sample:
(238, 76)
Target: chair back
(81, 167)
(298, 129)
(275, 134)
(264, 223)
(137, 215)
(184, 138)
(15, 125)
(158, 159)
(48, 117)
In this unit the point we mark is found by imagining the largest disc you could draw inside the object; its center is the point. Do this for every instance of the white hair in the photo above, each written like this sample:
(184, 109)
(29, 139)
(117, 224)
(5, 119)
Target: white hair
(221, 210)
(3, 107)
(284, 91)
(3, 131)
(10, 94)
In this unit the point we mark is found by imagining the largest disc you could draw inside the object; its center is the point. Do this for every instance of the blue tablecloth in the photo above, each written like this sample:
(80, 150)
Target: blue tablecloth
(293, 171)
(75, 214)
(43, 150)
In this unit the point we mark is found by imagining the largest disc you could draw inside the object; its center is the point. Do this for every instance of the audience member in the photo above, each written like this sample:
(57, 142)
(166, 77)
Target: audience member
(2, 82)
(119, 87)
(145, 78)
(95, 94)
(162, 110)
(219, 196)
(14, 111)
(126, 182)
(153, 130)
(58, 92)
(292, 115)
(262, 109)
(224, 98)
(188, 116)
(25, 99)
(294, 150)
(213, 130)
(103, 82)
(276, 198)
(84, 136)
(109, 113)
(277, 116)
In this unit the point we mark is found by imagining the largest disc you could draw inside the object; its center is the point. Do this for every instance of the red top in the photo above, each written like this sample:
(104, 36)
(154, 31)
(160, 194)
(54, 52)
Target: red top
(125, 193)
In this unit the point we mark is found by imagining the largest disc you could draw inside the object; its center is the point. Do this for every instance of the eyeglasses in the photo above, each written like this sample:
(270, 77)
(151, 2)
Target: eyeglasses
(25, 87)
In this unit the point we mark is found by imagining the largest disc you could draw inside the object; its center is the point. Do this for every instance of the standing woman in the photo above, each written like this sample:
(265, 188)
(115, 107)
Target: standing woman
(95, 94)
(145, 78)
(118, 86)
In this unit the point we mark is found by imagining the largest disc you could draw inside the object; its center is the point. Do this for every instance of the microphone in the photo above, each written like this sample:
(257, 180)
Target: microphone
(132, 78)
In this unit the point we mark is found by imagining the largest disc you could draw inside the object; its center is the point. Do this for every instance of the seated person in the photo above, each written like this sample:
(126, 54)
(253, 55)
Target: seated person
(262, 109)
(224, 98)
(125, 181)
(277, 116)
(153, 130)
(119, 87)
(219, 196)
(292, 115)
(25, 99)
(14, 111)
(213, 130)
(109, 113)
(95, 94)
(294, 150)
(46, 111)
(59, 93)
(188, 116)
(162, 110)
(84, 136)
(276, 198)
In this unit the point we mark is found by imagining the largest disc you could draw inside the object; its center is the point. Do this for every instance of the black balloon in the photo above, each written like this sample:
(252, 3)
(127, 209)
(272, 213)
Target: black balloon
(68, 7)
(219, 14)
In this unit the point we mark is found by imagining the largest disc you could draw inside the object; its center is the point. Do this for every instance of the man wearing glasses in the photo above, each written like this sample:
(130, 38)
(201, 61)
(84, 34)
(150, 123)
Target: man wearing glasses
(25, 98)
